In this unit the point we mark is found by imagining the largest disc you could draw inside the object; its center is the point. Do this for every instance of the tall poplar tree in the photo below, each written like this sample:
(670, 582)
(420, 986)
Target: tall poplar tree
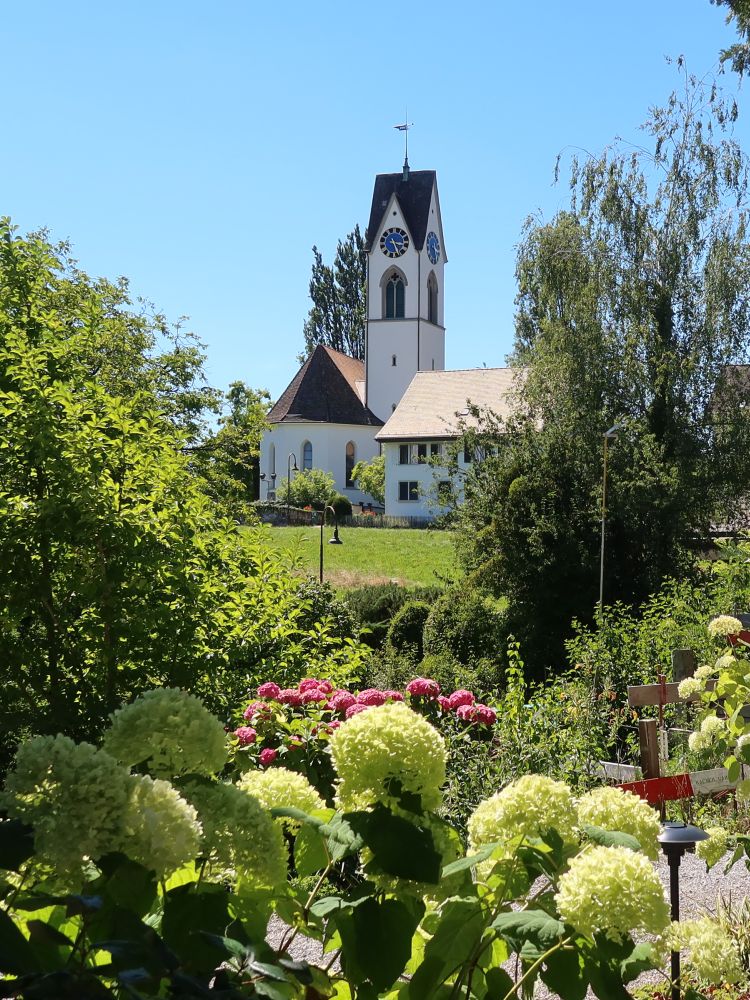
(337, 316)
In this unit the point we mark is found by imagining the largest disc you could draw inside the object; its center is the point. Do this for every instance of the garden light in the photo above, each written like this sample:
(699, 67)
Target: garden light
(675, 839)
(331, 541)
(289, 470)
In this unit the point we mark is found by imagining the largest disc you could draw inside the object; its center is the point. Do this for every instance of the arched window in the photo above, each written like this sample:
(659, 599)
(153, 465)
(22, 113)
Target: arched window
(306, 455)
(395, 295)
(351, 455)
(432, 298)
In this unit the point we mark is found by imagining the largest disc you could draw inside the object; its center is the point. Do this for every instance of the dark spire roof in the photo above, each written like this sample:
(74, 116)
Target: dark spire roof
(325, 390)
(413, 195)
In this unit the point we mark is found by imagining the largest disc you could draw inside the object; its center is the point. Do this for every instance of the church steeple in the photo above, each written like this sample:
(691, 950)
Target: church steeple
(405, 260)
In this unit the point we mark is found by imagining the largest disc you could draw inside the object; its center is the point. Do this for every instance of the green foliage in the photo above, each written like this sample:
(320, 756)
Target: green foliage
(467, 626)
(405, 631)
(631, 309)
(370, 478)
(310, 488)
(338, 293)
(375, 605)
(319, 603)
(739, 53)
(342, 505)
(227, 460)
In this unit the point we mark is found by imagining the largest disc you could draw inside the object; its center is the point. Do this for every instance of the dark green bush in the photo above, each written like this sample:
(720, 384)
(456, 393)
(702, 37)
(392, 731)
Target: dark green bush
(374, 605)
(466, 625)
(405, 630)
(319, 601)
(342, 505)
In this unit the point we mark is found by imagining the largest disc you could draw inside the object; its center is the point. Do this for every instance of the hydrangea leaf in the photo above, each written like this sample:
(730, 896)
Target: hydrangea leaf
(399, 847)
(611, 838)
(310, 854)
(16, 954)
(469, 861)
(461, 923)
(639, 960)
(16, 844)
(376, 938)
(565, 974)
(520, 926)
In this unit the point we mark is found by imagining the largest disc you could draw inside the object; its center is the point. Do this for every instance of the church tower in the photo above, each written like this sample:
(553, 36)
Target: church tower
(405, 330)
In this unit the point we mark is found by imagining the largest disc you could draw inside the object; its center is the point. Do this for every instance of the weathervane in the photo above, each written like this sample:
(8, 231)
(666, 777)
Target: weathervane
(405, 129)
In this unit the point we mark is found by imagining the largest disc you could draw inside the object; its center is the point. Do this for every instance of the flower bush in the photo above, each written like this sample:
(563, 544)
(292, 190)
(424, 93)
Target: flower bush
(171, 883)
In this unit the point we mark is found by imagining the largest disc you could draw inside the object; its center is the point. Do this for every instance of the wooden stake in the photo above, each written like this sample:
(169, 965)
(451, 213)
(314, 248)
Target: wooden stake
(648, 735)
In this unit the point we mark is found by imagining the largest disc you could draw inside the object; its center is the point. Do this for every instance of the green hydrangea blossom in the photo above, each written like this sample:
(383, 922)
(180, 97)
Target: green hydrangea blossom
(239, 835)
(527, 807)
(384, 746)
(612, 890)
(73, 795)
(724, 625)
(170, 731)
(160, 829)
(280, 788)
(613, 809)
(713, 850)
(712, 952)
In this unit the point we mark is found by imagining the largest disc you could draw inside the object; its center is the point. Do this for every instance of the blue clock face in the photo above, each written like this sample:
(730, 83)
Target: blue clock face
(433, 247)
(394, 242)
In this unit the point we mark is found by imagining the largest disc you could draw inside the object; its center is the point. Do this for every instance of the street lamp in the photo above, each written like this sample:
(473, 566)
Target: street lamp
(289, 471)
(331, 541)
(675, 840)
(611, 433)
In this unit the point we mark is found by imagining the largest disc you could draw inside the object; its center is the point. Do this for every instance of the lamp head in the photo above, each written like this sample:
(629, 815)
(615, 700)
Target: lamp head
(680, 837)
(614, 430)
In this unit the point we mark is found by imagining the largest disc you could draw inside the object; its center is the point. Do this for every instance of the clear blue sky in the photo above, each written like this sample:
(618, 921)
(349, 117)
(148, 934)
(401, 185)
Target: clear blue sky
(201, 149)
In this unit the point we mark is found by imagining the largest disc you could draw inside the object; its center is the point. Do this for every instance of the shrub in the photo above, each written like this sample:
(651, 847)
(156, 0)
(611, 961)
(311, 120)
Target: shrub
(342, 505)
(319, 602)
(375, 605)
(407, 625)
(466, 625)
(310, 488)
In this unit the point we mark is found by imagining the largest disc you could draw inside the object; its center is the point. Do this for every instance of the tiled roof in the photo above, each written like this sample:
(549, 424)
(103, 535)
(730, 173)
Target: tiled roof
(435, 403)
(324, 390)
(414, 197)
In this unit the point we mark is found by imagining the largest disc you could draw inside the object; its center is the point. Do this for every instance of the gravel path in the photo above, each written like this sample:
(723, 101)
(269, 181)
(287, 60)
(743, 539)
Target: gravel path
(699, 891)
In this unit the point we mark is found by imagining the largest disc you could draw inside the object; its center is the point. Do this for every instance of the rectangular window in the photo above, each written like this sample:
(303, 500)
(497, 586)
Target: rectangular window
(403, 454)
(408, 490)
(468, 457)
(421, 453)
(436, 449)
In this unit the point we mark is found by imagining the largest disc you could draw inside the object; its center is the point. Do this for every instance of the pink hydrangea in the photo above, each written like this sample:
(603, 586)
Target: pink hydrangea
(267, 756)
(311, 695)
(444, 703)
(394, 695)
(325, 686)
(269, 690)
(341, 700)
(461, 697)
(252, 708)
(355, 709)
(245, 735)
(309, 683)
(423, 687)
(371, 696)
(289, 696)
(466, 713)
(334, 724)
(485, 715)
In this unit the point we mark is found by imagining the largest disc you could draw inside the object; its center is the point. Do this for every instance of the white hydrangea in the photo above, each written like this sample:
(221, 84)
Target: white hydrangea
(723, 626)
(713, 727)
(160, 829)
(527, 807)
(616, 810)
(689, 686)
(712, 952)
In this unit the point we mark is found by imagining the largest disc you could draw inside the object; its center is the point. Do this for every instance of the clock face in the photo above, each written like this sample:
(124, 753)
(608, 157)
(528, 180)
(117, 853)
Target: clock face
(394, 242)
(433, 247)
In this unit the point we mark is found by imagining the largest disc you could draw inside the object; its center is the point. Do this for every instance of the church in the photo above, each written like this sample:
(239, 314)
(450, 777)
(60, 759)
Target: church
(338, 411)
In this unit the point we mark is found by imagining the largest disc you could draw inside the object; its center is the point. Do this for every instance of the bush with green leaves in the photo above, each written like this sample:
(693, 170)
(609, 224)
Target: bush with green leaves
(342, 506)
(406, 628)
(375, 605)
(308, 488)
(467, 625)
(170, 890)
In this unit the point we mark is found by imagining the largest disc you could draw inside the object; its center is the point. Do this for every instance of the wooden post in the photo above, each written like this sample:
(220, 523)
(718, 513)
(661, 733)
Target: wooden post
(648, 735)
(684, 663)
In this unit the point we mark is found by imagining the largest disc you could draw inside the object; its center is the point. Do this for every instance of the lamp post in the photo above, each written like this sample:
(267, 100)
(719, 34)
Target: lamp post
(611, 433)
(331, 541)
(675, 840)
(289, 471)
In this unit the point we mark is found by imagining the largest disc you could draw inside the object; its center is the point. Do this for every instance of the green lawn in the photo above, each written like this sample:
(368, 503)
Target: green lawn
(410, 557)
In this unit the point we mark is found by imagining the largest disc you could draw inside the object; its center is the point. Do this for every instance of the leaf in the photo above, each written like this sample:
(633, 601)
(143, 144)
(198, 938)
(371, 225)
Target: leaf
(186, 914)
(128, 884)
(16, 844)
(459, 929)
(611, 838)
(376, 940)
(16, 954)
(499, 984)
(564, 973)
(518, 927)
(639, 960)
(470, 861)
(310, 854)
(399, 847)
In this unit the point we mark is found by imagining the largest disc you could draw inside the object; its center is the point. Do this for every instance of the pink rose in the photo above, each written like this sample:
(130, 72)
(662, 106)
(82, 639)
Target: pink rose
(423, 687)
(461, 697)
(445, 703)
(308, 683)
(466, 713)
(289, 696)
(371, 696)
(310, 695)
(269, 690)
(356, 709)
(485, 715)
(340, 701)
(267, 756)
(245, 735)
(393, 695)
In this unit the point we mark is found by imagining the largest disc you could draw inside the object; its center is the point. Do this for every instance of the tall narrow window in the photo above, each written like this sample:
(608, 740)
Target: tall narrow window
(307, 455)
(393, 360)
(272, 460)
(432, 298)
(351, 454)
(394, 297)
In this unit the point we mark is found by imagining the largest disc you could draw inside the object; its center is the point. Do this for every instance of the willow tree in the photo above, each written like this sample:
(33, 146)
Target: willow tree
(632, 309)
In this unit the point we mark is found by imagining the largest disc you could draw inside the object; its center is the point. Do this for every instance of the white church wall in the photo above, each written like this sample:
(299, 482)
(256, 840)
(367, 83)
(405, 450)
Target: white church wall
(328, 452)
(386, 381)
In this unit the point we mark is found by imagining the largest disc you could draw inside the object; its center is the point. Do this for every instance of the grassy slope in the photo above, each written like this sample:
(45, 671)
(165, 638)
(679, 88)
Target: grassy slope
(370, 555)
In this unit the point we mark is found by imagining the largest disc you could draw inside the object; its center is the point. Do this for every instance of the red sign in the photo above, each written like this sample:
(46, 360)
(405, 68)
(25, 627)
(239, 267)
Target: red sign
(655, 790)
